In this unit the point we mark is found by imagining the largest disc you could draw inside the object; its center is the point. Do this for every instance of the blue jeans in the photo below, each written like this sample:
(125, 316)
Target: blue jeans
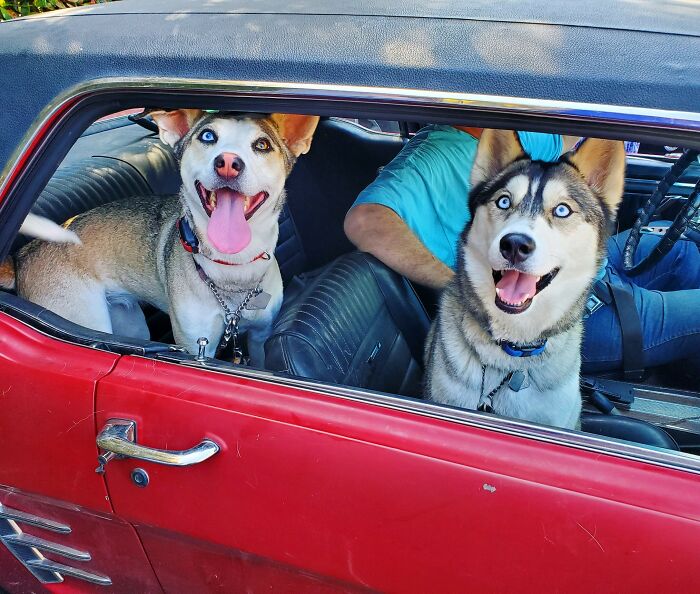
(668, 301)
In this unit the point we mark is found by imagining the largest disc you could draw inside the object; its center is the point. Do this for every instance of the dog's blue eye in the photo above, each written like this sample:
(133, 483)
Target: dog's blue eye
(207, 136)
(561, 210)
(503, 202)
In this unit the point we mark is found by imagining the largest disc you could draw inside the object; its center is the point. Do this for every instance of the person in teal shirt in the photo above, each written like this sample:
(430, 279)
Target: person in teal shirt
(411, 216)
(427, 184)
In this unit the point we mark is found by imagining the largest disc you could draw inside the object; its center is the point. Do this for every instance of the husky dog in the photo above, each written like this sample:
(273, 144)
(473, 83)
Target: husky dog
(508, 333)
(184, 254)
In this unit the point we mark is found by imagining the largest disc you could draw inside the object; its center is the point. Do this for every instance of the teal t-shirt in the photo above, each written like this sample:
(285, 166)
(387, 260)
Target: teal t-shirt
(427, 183)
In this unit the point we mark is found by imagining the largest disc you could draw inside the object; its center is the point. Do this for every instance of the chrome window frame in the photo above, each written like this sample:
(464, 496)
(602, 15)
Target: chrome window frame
(496, 104)
(687, 122)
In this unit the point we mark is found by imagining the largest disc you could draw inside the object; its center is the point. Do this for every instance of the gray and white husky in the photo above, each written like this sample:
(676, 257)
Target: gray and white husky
(222, 230)
(507, 337)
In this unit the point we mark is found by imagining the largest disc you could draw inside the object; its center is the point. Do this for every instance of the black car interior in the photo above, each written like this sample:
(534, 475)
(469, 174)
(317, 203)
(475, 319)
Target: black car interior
(346, 319)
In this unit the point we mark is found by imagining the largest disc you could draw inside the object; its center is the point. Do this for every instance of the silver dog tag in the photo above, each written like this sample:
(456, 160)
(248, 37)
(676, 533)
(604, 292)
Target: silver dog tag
(260, 301)
(516, 381)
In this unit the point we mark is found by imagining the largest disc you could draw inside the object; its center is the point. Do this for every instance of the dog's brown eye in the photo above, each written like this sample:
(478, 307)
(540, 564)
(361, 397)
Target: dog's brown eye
(262, 145)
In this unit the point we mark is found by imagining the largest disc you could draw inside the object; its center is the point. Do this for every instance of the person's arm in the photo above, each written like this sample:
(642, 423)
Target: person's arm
(546, 147)
(378, 230)
(569, 143)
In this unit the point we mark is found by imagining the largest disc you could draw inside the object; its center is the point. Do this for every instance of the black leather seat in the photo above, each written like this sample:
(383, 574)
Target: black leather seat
(84, 185)
(627, 428)
(357, 323)
(343, 160)
(354, 322)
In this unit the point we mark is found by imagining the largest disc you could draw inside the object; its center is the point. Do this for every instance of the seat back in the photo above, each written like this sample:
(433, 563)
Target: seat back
(343, 160)
(354, 322)
(84, 185)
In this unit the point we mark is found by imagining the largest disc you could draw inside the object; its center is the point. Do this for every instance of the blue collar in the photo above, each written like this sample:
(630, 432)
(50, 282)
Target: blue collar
(523, 350)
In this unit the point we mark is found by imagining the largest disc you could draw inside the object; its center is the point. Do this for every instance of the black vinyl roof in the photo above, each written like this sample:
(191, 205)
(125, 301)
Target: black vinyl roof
(639, 53)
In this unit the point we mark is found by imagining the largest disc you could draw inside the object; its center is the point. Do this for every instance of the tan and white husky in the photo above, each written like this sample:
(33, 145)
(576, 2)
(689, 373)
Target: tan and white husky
(168, 251)
(507, 338)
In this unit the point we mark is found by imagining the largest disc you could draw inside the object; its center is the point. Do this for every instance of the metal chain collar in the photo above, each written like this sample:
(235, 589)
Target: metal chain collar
(232, 317)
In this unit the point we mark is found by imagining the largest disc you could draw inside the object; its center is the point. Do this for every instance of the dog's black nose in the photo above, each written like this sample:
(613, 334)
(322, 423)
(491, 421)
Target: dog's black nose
(228, 165)
(517, 247)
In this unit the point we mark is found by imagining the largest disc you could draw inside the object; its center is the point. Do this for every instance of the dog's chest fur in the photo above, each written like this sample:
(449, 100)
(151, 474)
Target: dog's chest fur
(457, 348)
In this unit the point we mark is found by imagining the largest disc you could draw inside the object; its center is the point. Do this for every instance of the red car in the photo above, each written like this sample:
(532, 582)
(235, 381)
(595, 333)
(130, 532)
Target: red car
(326, 472)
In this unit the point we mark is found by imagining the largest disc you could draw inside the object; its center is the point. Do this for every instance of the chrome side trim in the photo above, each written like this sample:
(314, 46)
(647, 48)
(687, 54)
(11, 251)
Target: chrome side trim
(508, 426)
(31, 519)
(8, 530)
(81, 574)
(568, 110)
(27, 540)
(27, 549)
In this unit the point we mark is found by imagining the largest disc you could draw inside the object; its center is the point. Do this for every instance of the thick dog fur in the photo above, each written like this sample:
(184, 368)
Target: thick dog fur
(466, 333)
(131, 250)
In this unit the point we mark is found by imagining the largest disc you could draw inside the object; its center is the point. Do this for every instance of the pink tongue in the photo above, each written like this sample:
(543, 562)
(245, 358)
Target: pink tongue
(514, 285)
(228, 230)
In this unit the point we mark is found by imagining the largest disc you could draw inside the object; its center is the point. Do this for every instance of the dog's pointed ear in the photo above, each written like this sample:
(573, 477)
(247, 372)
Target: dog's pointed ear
(496, 150)
(296, 131)
(173, 125)
(602, 165)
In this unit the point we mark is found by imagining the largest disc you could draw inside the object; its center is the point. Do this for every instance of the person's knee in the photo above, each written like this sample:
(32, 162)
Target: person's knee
(686, 254)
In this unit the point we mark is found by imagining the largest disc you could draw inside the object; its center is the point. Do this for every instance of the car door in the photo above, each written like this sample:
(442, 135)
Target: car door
(319, 488)
(57, 527)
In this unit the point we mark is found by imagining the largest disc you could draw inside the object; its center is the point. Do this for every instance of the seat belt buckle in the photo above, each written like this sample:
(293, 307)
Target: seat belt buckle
(633, 375)
(593, 304)
(621, 393)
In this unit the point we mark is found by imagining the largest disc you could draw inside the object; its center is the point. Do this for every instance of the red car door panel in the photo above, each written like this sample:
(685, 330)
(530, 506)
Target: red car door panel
(47, 403)
(357, 494)
(48, 458)
(186, 565)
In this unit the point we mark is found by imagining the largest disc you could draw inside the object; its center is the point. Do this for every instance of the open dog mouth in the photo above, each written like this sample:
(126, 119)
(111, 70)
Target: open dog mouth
(210, 199)
(515, 290)
(228, 211)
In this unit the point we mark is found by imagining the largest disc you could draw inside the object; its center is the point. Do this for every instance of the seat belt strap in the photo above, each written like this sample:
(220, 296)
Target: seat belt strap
(600, 296)
(631, 326)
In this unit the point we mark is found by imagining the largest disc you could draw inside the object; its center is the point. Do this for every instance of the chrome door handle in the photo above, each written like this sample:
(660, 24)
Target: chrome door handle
(118, 440)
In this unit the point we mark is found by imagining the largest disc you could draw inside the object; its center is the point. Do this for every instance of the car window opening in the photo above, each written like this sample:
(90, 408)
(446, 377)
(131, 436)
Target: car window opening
(510, 273)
